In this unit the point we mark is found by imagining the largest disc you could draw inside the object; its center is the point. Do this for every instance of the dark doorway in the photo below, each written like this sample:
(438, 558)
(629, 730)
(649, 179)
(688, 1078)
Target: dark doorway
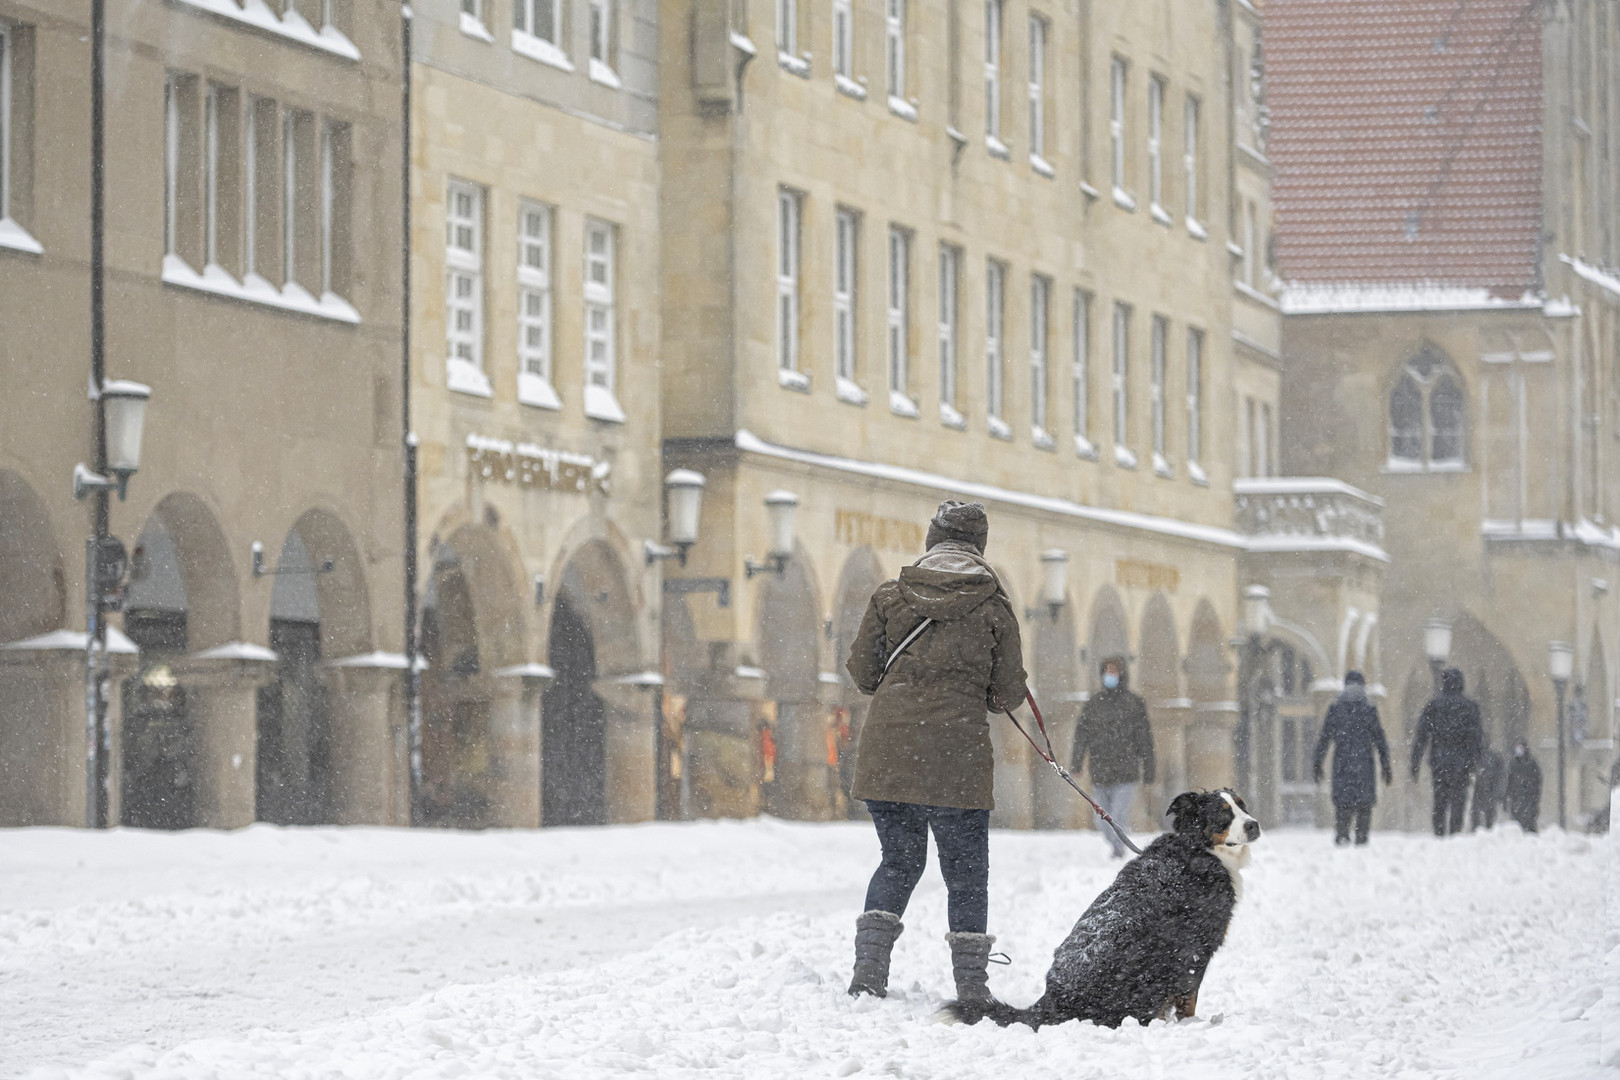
(159, 753)
(293, 773)
(456, 759)
(572, 728)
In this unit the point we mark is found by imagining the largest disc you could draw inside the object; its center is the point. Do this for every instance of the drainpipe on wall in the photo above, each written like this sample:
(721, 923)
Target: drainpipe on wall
(413, 676)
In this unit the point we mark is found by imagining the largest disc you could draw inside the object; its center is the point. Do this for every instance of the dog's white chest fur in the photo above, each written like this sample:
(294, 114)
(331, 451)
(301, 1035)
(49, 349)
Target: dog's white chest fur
(1234, 854)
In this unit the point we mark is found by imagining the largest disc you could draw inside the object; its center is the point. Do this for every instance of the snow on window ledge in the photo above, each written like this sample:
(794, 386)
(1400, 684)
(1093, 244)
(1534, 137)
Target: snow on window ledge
(906, 110)
(466, 377)
(743, 44)
(1088, 191)
(601, 73)
(1000, 429)
(256, 290)
(793, 380)
(474, 27)
(537, 390)
(1042, 166)
(16, 238)
(1162, 467)
(540, 49)
(1084, 447)
(1196, 473)
(1042, 438)
(1160, 215)
(1124, 456)
(1196, 228)
(1123, 200)
(997, 148)
(600, 404)
(951, 418)
(793, 65)
(902, 405)
(291, 25)
(850, 392)
(849, 87)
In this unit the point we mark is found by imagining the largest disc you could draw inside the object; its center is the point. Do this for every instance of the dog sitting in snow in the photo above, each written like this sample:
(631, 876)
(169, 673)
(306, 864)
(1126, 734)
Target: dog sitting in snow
(1141, 948)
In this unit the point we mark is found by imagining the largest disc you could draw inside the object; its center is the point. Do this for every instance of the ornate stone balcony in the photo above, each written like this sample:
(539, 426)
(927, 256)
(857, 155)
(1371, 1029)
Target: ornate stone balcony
(1309, 513)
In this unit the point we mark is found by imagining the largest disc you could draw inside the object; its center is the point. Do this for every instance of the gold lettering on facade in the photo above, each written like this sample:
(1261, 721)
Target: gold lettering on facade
(854, 527)
(533, 466)
(1137, 574)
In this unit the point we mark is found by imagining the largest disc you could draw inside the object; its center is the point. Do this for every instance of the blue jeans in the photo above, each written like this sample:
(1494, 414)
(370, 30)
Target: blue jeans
(1117, 800)
(963, 839)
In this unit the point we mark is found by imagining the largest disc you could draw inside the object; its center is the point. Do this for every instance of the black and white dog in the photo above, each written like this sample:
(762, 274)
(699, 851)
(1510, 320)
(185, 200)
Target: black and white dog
(1141, 948)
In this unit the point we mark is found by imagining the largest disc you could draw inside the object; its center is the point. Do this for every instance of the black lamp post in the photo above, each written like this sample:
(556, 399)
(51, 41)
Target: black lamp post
(1560, 665)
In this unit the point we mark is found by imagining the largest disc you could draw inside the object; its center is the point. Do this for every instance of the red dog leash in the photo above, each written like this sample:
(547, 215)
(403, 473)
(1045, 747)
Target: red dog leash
(1050, 757)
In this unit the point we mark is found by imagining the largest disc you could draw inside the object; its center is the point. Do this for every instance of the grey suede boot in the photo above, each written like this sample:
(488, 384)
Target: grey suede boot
(875, 932)
(970, 961)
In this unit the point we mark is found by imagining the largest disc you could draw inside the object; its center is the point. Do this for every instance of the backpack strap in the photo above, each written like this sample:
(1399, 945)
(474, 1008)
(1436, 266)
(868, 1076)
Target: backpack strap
(900, 648)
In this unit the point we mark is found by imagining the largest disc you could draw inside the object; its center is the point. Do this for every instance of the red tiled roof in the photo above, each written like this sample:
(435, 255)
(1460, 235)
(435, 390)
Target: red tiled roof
(1405, 137)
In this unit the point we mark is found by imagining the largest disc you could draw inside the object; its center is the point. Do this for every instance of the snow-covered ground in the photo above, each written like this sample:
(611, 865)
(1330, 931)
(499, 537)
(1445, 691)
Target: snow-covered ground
(721, 949)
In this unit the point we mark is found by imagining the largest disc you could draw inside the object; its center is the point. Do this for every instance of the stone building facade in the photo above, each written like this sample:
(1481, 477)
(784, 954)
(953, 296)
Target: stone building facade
(535, 403)
(1003, 251)
(1451, 330)
(252, 254)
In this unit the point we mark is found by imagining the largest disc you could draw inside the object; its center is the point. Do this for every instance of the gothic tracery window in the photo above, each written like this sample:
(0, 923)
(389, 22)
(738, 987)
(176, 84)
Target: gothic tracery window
(1427, 414)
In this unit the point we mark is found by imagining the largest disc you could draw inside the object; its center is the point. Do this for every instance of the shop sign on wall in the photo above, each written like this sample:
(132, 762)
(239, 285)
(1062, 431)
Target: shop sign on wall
(854, 527)
(531, 466)
(1138, 574)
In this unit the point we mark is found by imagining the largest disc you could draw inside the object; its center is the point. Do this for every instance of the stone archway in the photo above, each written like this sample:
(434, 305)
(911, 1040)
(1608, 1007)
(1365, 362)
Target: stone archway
(799, 782)
(187, 746)
(472, 628)
(319, 611)
(1055, 681)
(598, 745)
(41, 679)
(1110, 634)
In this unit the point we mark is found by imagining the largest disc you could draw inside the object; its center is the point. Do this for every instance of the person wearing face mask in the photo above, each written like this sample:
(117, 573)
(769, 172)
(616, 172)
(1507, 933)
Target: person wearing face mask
(1114, 731)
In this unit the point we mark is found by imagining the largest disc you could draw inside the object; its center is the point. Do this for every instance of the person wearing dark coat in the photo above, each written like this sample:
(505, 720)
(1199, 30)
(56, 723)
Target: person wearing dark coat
(1114, 730)
(1488, 789)
(1352, 728)
(1451, 728)
(924, 761)
(1524, 787)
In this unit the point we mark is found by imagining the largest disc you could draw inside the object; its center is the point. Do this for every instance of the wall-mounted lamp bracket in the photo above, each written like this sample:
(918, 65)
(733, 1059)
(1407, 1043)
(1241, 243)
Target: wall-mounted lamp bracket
(659, 552)
(775, 563)
(261, 570)
(85, 481)
(683, 586)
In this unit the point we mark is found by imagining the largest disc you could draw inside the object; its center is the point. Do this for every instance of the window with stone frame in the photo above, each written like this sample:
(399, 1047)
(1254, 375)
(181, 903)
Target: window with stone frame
(899, 322)
(995, 317)
(894, 34)
(789, 211)
(464, 285)
(1040, 320)
(534, 306)
(843, 40)
(950, 287)
(992, 75)
(601, 302)
(1040, 32)
(1427, 415)
(1080, 373)
(846, 338)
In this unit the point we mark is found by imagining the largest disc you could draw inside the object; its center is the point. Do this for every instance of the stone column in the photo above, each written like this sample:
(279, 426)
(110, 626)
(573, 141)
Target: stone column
(514, 745)
(720, 755)
(370, 766)
(1209, 753)
(222, 686)
(1015, 774)
(1056, 806)
(1170, 720)
(630, 745)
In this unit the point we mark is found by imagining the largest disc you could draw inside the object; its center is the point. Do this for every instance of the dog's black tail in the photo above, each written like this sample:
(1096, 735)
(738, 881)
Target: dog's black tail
(971, 1012)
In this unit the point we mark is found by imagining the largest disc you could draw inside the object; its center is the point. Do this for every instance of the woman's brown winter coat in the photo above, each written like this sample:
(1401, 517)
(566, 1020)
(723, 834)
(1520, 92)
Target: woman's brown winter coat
(927, 735)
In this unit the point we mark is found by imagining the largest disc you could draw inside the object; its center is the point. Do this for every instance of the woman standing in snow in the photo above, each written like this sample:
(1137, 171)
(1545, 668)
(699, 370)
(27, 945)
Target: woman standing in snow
(924, 758)
(1353, 729)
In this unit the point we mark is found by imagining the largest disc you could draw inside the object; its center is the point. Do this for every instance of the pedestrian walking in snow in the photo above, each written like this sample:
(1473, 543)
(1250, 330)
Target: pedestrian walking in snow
(1451, 728)
(1524, 787)
(1114, 731)
(924, 760)
(1489, 788)
(1353, 729)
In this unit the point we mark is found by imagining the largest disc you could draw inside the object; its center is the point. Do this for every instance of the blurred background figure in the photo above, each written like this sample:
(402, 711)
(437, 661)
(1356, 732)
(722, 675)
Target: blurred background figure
(1524, 787)
(1114, 729)
(1353, 729)
(1488, 790)
(1451, 727)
